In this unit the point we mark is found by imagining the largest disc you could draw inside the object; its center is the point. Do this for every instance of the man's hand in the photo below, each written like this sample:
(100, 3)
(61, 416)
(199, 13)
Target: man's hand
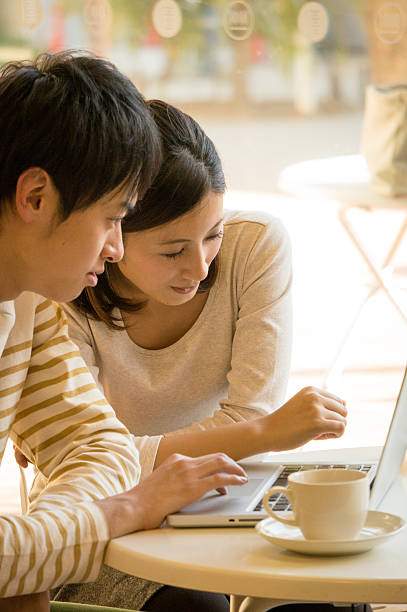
(38, 602)
(311, 414)
(176, 483)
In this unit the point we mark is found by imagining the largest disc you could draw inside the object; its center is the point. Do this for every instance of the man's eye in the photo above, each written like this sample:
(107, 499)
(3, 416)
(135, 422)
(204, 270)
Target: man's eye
(173, 255)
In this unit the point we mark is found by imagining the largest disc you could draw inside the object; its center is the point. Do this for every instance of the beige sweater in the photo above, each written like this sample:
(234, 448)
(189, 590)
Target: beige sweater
(233, 363)
(51, 408)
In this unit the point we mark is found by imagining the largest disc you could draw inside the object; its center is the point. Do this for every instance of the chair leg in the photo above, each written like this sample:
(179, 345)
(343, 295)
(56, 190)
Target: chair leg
(376, 272)
(379, 283)
(336, 365)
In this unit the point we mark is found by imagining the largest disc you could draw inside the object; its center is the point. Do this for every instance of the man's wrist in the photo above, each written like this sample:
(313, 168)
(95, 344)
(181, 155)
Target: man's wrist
(123, 515)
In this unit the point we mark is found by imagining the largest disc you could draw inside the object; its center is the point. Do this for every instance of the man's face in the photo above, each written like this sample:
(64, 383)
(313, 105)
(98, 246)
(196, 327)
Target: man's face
(66, 257)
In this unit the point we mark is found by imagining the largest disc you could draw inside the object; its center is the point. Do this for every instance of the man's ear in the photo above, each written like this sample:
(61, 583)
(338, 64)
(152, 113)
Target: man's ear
(31, 190)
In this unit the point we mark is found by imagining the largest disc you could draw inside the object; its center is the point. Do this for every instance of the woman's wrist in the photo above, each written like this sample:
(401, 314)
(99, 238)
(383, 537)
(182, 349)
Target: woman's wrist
(259, 435)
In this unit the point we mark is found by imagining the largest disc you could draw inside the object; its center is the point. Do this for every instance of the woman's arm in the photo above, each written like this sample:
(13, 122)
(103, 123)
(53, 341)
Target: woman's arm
(310, 414)
(262, 340)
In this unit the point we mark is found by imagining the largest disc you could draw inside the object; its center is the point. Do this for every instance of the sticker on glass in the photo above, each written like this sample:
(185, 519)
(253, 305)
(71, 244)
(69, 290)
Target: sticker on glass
(238, 20)
(313, 21)
(97, 13)
(167, 18)
(390, 23)
(31, 13)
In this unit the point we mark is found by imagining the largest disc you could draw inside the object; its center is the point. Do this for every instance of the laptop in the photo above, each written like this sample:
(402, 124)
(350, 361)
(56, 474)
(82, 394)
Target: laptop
(242, 506)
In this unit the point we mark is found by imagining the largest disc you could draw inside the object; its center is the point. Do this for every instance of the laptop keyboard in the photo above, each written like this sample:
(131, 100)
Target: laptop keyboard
(279, 502)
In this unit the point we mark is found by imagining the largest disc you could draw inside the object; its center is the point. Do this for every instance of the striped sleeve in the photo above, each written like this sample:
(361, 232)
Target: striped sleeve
(65, 426)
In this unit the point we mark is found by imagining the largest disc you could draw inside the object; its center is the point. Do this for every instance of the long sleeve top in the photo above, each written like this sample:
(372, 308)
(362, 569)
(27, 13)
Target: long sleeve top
(53, 411)
(231, 365)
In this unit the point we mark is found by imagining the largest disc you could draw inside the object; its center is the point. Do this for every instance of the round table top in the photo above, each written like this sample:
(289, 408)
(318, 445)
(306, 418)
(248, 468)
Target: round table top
(345, 178)
(240, 562)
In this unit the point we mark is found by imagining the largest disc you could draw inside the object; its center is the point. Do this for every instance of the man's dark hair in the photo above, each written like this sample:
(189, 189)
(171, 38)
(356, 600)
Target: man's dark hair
(79, 119)
(190, 170)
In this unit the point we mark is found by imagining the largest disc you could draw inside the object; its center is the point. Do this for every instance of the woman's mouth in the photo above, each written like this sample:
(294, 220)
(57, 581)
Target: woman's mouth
(184, 290)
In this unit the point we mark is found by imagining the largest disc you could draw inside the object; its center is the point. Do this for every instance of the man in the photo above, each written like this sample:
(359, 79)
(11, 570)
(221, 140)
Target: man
(77, 147)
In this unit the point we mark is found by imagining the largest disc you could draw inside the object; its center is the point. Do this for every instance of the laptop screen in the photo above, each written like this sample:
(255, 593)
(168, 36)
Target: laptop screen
(394, 449)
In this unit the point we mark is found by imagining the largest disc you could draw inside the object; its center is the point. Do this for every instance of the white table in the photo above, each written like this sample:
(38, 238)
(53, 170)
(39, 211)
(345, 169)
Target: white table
(238, 561)
(346, 180)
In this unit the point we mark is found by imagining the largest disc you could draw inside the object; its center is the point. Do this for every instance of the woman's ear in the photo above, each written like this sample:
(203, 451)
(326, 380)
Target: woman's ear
(31, 193)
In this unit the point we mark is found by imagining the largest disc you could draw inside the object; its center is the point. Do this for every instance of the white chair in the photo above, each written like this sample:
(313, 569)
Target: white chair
(346, 179)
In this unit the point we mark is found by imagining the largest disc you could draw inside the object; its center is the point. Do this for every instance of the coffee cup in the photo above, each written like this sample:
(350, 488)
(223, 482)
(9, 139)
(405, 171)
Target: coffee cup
(327, 504)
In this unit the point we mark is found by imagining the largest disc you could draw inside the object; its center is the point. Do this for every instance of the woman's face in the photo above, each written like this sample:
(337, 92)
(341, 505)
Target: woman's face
(167, 263)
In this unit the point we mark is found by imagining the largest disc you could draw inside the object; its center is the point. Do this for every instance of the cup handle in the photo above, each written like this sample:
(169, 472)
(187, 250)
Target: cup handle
(278, 517)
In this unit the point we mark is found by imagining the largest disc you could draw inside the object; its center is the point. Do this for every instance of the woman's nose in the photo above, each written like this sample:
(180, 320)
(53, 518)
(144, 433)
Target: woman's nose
(198, 268)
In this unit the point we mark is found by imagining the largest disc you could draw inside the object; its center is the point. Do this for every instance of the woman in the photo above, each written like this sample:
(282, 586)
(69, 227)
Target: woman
(189, 336)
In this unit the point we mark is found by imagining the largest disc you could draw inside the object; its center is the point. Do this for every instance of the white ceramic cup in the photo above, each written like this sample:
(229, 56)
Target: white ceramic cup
(327, 504)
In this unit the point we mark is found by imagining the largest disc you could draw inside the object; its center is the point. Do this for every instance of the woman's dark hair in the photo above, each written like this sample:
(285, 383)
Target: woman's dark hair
(79, 119)
(190, 169)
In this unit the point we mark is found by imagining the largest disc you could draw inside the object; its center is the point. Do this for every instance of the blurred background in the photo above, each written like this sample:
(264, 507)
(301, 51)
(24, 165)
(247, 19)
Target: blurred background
(273, 82)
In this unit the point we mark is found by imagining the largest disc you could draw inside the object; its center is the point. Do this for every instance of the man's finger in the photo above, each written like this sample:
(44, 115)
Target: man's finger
(218, 462)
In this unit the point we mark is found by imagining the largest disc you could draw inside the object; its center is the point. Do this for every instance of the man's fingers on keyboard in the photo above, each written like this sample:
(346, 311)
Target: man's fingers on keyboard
(222, 480)
(222, 490)
(218, 462)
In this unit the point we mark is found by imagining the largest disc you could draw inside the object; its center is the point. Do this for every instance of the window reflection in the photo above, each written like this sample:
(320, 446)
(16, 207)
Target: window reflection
(228, 58)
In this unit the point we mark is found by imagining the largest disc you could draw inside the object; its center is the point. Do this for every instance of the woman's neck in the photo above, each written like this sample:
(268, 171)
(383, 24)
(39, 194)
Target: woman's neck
(157, 325)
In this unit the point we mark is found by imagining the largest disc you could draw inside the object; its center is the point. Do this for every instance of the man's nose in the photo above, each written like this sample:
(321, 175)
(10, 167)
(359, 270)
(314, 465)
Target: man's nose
(113, 250)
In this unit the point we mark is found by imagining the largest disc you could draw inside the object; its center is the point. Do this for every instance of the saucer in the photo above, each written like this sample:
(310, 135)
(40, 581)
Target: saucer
(379, 526)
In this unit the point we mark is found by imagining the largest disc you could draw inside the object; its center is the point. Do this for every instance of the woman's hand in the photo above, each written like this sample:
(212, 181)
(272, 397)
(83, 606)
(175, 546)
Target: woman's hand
(312, 414)
(37, 602)
(20, 458)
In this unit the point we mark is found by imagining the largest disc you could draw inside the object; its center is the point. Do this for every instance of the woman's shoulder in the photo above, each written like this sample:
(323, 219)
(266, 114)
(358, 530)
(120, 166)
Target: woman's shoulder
(79, 321)
(248, 227)
(256, 245)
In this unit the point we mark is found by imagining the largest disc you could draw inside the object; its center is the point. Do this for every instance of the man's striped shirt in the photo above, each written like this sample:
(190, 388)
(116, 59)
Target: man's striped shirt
(52, 410)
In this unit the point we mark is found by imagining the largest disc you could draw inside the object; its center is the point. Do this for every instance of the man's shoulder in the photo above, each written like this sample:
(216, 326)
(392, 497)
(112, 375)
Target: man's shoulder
(30, 301)
(37, 318)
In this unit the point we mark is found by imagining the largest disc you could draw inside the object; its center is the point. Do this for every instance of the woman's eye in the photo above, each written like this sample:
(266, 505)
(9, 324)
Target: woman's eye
(173, 255)
(216, 236)
(116, 219)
